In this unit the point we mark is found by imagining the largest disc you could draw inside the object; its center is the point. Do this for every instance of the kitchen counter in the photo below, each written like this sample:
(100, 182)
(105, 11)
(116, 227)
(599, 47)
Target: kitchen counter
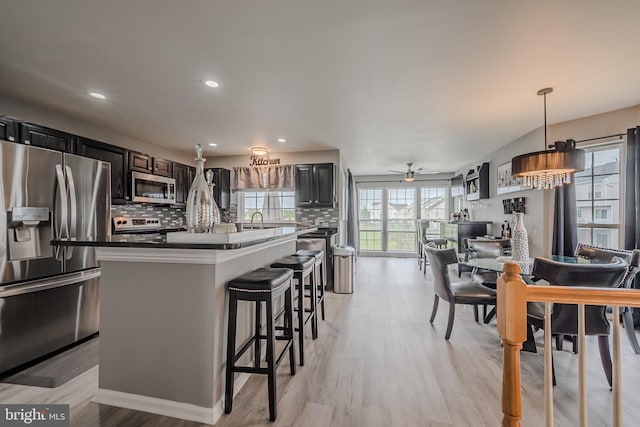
(159, 240)
(163, 317)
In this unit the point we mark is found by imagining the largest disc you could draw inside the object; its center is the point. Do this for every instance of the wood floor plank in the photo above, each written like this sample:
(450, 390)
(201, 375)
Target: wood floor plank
(379, 362)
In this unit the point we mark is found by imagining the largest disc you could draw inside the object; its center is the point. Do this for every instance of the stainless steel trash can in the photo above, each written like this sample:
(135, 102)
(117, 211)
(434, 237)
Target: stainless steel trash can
(344, 270)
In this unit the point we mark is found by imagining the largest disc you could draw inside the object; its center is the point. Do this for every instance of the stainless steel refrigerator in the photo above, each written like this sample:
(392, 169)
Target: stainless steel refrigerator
(49, 296)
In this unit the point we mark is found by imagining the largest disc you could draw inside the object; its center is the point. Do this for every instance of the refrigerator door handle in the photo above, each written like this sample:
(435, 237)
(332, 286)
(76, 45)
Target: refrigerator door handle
(73, 209)
(61, 225)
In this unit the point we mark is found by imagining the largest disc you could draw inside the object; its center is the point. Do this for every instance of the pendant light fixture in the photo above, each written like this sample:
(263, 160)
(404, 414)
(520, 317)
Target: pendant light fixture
(548, 169)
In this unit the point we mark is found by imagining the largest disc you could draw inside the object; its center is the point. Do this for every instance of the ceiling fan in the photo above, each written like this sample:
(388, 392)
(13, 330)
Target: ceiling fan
(409, 174)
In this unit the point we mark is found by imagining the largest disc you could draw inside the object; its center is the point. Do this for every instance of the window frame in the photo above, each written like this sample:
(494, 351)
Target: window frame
(241, 206)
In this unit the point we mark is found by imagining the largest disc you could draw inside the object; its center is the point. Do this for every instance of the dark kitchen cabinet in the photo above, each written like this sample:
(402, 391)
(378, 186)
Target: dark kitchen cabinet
(163, 167)
(118, 158)
(222, 187)
(140, 162)
(44, 137)
(181, 175)
(315, 185)
(8, 129)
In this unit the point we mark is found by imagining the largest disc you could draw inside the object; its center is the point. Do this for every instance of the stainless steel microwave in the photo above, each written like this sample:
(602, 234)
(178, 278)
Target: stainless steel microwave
(149, 188)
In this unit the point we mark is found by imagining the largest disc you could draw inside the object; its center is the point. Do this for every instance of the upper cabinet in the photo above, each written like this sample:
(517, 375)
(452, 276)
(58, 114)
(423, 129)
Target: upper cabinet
(477, 183)
(8, 129)
(140, 162)
(117, 156)
(181, 175)
(222, 187)
(315, 185)
(41, 136)
(163, 167)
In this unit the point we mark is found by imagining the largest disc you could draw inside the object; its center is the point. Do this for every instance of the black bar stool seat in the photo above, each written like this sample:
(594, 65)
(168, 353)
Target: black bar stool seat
(260, 285)
(319, 272)
(302, 267)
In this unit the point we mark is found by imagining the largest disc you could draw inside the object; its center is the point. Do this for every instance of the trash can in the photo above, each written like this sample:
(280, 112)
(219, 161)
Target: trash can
(344, 271)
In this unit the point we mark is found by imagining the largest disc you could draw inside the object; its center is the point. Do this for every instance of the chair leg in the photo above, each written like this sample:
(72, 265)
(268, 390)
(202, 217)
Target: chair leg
(574, 344)
(627, 321)
(289, 328)
(490, 316)
(559, 342)
(257, 353)
(231, 350)
(436, 299)
(530, 344)
(300, 290)
(452, 315)
(605, 357)
(476, 317)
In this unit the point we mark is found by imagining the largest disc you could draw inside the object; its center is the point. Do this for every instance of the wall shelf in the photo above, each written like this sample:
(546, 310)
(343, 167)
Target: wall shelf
(477, 183)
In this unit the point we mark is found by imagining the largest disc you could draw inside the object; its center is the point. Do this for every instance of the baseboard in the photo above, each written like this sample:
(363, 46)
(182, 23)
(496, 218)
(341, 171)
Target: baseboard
(168, 408)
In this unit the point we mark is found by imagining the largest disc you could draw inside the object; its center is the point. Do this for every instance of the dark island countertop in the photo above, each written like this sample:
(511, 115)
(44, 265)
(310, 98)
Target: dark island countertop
(157, 240)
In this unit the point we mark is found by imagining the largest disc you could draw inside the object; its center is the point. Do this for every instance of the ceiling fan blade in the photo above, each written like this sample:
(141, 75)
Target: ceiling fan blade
(419, 169)
(390, 170)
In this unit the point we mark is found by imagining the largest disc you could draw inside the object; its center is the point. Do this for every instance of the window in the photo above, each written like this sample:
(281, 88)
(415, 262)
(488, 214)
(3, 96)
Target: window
(387, 217)
(598, 198)
(274, 205)
(370, 219)
(401, 222)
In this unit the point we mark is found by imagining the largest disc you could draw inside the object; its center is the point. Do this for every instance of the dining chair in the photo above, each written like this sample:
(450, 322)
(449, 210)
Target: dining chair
(597, 254)
(564, 317)
(484, 248)
(421, 227)
(469, 293)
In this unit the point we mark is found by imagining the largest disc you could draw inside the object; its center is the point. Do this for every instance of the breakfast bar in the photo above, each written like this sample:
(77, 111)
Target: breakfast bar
(163, 317)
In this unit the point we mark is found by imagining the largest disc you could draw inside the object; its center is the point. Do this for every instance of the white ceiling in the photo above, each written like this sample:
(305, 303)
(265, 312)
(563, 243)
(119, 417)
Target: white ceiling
(439, 83)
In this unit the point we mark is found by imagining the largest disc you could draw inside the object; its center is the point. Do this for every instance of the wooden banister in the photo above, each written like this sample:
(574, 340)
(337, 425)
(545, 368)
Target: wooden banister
(513, 295)
(512, 327)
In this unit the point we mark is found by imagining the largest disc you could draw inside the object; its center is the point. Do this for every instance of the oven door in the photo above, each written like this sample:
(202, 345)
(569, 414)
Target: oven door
(152, 188)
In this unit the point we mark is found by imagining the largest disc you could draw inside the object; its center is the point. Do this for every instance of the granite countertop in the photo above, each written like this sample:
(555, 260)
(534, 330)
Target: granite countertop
(157, 240)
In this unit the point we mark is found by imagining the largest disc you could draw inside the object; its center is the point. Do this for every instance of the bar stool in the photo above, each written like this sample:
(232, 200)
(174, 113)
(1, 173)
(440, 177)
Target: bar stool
(260, 285)
(319, 273)
(302, 268)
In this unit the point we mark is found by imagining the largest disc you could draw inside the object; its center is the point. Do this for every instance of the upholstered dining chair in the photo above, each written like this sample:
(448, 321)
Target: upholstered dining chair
(564, 317)
(421, 228)
(632, 257)
(484, 248)
(470, 293)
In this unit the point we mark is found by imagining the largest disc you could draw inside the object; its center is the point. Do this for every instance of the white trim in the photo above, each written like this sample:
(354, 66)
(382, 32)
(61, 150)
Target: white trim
(168, 408)
(153, 405)
(186, 256)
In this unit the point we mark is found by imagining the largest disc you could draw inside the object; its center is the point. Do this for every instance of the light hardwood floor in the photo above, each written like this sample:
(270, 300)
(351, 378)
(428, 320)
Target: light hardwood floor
(378, 362)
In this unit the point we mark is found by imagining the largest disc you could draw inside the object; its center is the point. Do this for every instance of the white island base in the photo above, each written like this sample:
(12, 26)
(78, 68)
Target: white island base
(164, 325)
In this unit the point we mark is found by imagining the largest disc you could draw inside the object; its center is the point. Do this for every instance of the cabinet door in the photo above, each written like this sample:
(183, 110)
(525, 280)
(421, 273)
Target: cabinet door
(304, 186)
(140, 162)
(181, 175)
(323, 185)
(222, 189)
(116, 156)
(163, 167)
(8, 129)
(41, 136)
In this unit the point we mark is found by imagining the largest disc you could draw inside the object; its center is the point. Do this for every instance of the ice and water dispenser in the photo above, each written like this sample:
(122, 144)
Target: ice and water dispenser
(29, 231)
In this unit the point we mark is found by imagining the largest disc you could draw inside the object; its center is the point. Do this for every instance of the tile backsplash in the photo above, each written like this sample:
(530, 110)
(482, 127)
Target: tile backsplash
(170, 216)
(322, 217)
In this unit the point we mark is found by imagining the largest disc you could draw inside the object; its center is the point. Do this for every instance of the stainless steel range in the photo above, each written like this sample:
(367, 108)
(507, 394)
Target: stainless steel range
(126, 225)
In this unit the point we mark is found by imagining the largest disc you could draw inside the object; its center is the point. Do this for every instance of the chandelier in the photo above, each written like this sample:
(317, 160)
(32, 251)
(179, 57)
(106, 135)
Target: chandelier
(548, 169)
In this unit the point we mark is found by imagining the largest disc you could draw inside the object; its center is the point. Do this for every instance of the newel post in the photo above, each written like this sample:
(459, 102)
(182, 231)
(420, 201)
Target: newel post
(512, 327)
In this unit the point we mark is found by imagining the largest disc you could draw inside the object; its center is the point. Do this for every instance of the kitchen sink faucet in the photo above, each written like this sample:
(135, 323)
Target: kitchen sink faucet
(261, 218)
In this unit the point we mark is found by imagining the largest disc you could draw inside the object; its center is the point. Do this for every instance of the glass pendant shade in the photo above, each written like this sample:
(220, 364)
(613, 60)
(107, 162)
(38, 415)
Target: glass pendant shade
(202, 212)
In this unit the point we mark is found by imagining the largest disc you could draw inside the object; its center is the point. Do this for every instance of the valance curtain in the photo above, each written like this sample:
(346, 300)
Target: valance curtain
(631, 200)
(565, 223)
(277, 177)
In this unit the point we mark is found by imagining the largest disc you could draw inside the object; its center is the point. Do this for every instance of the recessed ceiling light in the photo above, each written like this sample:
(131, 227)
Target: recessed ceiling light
(97, 95)
(213, 144)
(282, 140)
(212, 83)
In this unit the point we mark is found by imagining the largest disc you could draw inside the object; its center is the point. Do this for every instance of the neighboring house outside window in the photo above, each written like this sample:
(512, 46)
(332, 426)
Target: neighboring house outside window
(274, 205)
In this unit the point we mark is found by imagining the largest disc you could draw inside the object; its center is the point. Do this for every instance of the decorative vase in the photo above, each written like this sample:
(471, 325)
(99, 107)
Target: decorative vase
(202, 211)
(519, 240)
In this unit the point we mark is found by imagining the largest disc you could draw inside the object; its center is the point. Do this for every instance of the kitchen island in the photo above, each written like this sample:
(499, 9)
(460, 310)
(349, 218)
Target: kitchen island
(164, 315)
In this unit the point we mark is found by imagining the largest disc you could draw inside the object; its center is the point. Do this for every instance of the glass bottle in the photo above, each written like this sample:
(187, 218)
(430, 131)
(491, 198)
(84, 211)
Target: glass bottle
(216, 211)
(200, 204)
